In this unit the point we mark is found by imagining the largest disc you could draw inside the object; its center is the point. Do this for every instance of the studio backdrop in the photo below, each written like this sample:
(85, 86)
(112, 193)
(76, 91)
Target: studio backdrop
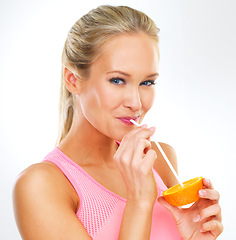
(195, 106)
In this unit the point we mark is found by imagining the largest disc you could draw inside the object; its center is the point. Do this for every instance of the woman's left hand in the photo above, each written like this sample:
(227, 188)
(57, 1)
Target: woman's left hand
(202, 221)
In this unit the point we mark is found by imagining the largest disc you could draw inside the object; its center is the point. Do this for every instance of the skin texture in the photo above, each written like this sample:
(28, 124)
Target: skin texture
(119, 85)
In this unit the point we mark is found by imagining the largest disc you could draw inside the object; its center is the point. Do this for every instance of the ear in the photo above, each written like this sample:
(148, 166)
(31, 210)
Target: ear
(72, 81)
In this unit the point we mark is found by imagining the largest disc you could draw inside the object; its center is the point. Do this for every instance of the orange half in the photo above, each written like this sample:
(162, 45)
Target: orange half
(179, 196)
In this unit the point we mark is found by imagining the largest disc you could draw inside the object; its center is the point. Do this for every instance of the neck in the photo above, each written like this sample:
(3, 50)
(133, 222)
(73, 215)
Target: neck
(85, 145)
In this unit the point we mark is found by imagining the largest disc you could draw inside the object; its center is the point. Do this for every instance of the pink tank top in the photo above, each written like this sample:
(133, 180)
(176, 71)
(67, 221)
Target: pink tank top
(101, 210)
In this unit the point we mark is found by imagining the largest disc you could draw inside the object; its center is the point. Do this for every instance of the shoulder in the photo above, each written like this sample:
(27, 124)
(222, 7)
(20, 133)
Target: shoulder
(42, 181)
(44, 196)
(37, 175)
(161, 166)
(35, 170)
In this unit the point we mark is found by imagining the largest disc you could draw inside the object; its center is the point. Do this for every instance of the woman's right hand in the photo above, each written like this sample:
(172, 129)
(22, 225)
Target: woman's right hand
(135, 160)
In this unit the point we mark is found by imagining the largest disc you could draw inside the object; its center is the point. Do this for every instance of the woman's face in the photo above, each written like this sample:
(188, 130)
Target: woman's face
(121, 84)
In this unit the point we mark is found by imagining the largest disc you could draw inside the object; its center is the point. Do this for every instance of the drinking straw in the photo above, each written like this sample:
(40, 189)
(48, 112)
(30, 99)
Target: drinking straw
(164, 155)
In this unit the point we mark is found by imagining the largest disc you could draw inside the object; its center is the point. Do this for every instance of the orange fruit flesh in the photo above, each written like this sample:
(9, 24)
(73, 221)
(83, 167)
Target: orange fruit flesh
(180, 196)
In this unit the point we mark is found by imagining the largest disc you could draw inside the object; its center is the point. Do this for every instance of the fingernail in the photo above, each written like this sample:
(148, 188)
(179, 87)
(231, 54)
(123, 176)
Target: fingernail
(207, 181)
(197, 218)
(152, 129)
(202, 193)
(144, 126)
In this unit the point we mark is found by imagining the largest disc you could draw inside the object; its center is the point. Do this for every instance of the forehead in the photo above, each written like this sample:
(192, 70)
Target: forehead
(130, 53)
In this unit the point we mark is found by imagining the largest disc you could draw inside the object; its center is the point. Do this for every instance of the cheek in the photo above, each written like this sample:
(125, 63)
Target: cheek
(100, 99)
(147, 100)
(110, 97)
(107, 98)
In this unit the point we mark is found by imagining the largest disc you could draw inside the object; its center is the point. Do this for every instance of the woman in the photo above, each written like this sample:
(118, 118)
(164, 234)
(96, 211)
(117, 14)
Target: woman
(105, 178)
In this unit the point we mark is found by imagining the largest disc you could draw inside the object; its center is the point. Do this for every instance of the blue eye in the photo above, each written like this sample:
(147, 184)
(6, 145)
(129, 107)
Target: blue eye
(117, 81)
(148, 83)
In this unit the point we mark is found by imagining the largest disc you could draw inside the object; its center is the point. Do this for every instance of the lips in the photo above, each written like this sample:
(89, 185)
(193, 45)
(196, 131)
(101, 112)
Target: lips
(126, 120)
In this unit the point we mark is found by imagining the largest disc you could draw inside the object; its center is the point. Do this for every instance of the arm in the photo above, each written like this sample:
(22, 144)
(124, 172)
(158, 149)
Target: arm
(44, 206)
(136, 222)
(135, 160)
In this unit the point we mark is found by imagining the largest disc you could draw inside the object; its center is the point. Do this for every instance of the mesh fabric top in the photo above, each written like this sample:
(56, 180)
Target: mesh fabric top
(101, 210)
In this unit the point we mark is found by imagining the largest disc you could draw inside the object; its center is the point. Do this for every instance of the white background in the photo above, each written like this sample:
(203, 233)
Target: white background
(195, 103)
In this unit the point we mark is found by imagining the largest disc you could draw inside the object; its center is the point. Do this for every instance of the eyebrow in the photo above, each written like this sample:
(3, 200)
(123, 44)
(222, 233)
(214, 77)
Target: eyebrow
(127, 75)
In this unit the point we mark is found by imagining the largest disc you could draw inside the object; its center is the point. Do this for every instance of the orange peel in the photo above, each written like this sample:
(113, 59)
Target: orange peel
(180, 196)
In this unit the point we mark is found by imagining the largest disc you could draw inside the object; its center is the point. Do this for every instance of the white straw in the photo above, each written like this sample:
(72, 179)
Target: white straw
(164, 155)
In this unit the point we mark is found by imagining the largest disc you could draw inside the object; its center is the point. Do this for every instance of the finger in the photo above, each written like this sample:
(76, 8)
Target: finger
(141, 159)
(125, 152)
(148, 161)
(165, 204)
(125, 144)
(175, 211)
(213, 210)
(213, 226)
(137, 154)
(129, 135)
(141, 147)
(209, 194)
(145, 133)
(124, 159)
(134, 131)
(207, 183)
(131, 138)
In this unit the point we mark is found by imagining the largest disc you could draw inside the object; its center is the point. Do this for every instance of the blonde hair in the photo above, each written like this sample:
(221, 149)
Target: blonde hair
(84, 45)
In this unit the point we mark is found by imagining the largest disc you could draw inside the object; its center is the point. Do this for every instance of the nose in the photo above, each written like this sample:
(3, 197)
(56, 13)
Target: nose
(132, 99)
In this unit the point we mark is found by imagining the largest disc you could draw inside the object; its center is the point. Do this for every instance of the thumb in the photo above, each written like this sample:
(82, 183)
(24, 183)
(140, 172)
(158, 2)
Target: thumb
(175, 211)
